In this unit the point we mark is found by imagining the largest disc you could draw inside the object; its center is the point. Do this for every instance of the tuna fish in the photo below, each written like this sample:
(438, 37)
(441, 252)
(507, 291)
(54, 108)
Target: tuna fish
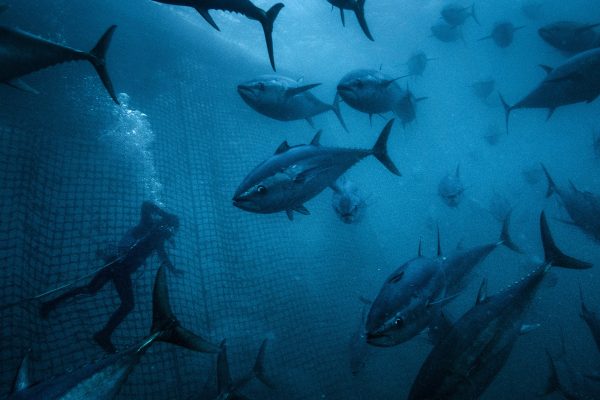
(296, 174)
(482, 89)
(369, 91)
(455, 14)
(406, 107)
(347, 201)
(446, 33)
(22, 53)
(417, 63)
(503, 34)
(591, 319)
(358, 6)
(285, 99)
(229, 389)
(582, 207)
(451, 188)
(575, 81)
(532, 9)
(492, 135)
(466, 360)
(103, 379)
(570, 37)
(244, 7)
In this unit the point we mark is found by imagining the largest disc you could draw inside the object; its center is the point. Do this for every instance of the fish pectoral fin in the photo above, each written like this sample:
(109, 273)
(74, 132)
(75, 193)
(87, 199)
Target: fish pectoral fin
(291, 92)
(207, 17)
(290, 214)
(302, 210)
(309, 174)
(396, 278)
(21, 85)
(526, 328)
(310, 122)
(546, 68)
(442, 302)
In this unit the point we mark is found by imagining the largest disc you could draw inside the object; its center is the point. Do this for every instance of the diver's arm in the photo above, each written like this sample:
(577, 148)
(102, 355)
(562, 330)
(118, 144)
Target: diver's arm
(164, 259)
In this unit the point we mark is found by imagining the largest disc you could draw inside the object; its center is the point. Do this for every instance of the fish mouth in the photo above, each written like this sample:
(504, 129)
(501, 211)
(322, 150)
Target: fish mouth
(379, 339)
(342, 88)
(245, 90)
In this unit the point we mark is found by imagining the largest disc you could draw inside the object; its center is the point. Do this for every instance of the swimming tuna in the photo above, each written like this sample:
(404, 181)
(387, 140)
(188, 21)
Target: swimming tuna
(285, 99)
(532, 9)
(568, 382)
(228, 389)
(482, 89)
(582, 207)
(446, 33)
(417, 63)
(370, 91)
(503, 34)
(358, 6)
(244, 7)
(467, 359)
(455, 14)
(406, 107)
(570, 37)
(575, 81)
(591, 319)
(103, 379)
(451, 188)
(347, 201)
(296, 174)
(22, 53)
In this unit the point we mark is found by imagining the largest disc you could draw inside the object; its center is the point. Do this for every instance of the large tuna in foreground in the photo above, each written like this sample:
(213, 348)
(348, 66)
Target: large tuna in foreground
(296, 174)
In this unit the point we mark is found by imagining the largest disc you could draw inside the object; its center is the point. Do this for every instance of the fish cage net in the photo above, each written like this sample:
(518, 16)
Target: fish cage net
(74, 170)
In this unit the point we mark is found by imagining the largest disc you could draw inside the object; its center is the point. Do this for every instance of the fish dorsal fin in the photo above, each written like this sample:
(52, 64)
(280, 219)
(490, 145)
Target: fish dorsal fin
(546, 68)
(23, 378)
(396, 277)
(439, 242)
(482, 293)
(573, 186)
(283, 147)
(300, 80)
(291, 92)
(420, 252)
(316, 140)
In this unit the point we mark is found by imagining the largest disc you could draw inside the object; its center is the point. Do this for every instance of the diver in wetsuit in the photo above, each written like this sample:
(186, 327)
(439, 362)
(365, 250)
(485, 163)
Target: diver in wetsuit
(155, 227)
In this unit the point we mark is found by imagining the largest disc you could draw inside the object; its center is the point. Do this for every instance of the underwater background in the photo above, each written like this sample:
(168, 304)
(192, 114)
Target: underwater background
(75, 167)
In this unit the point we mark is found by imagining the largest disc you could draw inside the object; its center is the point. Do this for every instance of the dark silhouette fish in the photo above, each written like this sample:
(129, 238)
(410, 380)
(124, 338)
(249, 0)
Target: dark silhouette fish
(503, 34)
(285, 99)
(296, 174)
(347, 201)
(370, 91)
(467, 359)
(244, 7)
(406, 107)
(358, 6)
(446, 33)
(417, 63)
(103, 379)
(582, 207)
(227, 387)
(570, 37)
(451, 188)
(591, 319)
(576, 80)
(482, 89)
(492, 135)
(22, 53)
(532, 9)
(455, 14)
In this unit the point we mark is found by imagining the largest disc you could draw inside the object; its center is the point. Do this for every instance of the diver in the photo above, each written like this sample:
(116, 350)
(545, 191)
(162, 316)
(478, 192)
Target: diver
(155, 227)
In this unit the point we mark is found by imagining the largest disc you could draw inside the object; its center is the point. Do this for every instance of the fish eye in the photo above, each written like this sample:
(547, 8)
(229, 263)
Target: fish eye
(261, 86)
(261, 190)
(359, 84)
(399, 322)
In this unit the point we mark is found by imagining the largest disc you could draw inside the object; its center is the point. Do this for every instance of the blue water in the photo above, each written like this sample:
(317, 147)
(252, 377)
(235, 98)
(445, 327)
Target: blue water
(76, 167)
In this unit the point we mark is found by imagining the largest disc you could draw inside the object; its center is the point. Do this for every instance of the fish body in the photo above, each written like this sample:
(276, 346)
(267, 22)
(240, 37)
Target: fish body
(369, 91)
(570, 37)
(22, 53)
(285, 99)
(347, 202)
(451, 188)
(294, 175)
(455, 14)
(445, 32)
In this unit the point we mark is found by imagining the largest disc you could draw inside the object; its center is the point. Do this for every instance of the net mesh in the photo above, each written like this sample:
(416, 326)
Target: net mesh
(75, 169)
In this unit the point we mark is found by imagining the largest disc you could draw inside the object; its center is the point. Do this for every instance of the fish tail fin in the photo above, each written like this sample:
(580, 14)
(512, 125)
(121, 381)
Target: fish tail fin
(267, 24)
(551, 185)
(505, 238)
(474, 15)
(380, 149)
(166, 326)
(552, 254)
(360, 16)
(507, 110)
(259, 366)
(97, 56)
(335, 107)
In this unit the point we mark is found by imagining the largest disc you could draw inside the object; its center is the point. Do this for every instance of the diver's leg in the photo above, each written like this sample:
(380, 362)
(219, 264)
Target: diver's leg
(124, 288)
(97, 282)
